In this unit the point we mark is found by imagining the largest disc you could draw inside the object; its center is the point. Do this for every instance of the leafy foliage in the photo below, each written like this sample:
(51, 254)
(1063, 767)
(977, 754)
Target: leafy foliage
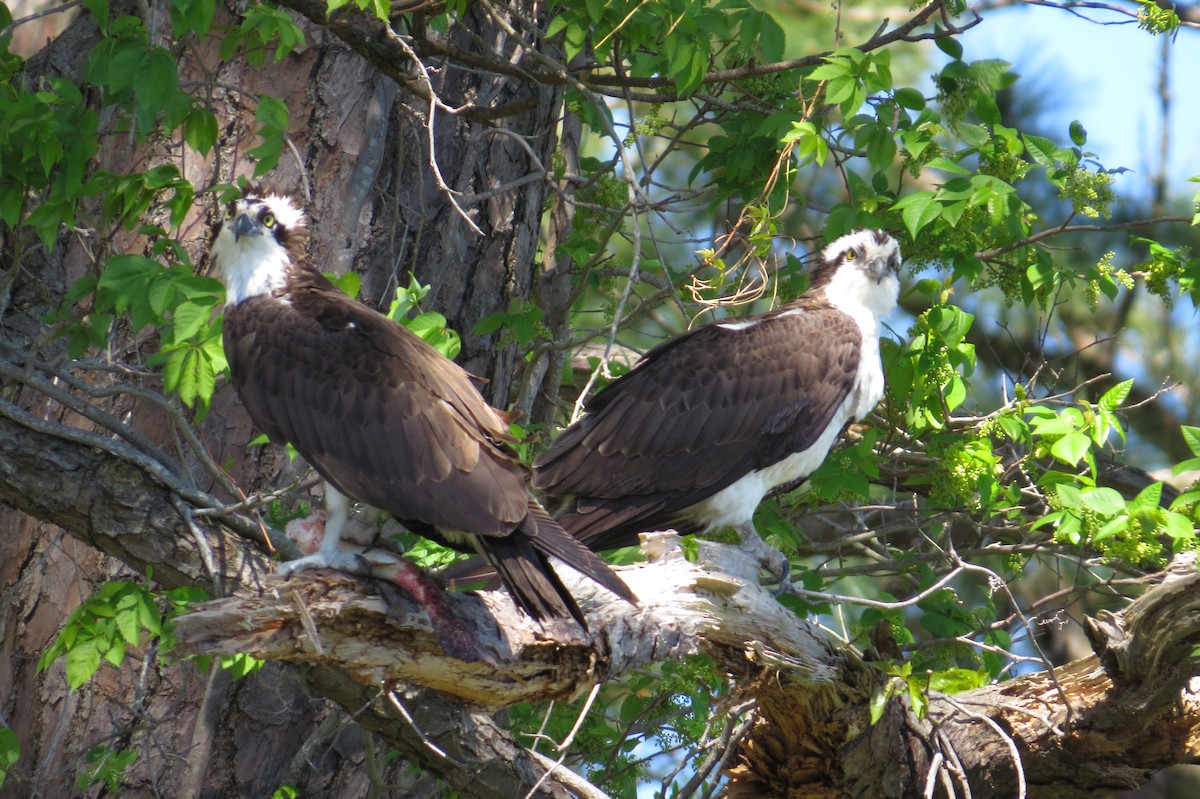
(106, 768)
(428, 325)
(976, 472)
(10, 752)
(115, 617)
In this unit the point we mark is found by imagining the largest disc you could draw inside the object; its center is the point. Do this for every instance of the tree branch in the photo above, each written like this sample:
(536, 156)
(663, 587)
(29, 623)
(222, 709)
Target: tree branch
(683, 609)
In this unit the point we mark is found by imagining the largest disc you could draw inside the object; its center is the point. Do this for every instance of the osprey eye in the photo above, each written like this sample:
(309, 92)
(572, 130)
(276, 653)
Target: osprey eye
(268, 220)
(229, 212)
(851, 255)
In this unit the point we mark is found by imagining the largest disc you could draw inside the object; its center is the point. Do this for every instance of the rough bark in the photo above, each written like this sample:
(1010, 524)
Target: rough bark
(1091, 728)
(84, 501)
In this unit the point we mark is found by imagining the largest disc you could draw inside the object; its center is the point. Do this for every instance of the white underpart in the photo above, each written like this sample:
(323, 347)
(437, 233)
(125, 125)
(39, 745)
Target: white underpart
(735, 503)
(251, 266)
(865, 301)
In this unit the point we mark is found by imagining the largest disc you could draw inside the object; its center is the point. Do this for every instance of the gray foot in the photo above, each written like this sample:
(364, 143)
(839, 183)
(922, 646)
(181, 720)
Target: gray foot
(348, 562)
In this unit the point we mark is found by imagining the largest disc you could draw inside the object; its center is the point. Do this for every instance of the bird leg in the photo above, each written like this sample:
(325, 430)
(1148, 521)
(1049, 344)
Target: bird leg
(770, 558)
(331, 555)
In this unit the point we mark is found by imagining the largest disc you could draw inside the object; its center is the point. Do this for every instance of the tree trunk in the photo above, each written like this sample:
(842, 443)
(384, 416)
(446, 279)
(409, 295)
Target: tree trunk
(80, 512)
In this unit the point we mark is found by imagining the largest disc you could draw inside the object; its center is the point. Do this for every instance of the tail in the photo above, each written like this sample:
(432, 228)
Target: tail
(522, 562)
(601, 524)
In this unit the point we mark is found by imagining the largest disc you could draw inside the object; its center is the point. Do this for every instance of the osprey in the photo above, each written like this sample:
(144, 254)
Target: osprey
(708, 423)
(382, 416)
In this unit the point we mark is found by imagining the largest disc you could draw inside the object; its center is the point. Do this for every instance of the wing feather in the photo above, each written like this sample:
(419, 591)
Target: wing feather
(391, 425)
(704, 409)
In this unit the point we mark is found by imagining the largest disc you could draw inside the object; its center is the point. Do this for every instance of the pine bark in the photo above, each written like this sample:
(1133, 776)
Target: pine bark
(96, 486)
(79, 505)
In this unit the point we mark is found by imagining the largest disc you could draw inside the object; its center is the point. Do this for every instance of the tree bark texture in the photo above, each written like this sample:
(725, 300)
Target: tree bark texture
(98, 479)
(1094, 727)
(80, 504)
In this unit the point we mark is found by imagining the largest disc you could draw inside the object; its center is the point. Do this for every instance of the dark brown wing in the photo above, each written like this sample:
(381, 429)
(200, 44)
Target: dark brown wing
(376, 411)
(390, 422)
(697, 413)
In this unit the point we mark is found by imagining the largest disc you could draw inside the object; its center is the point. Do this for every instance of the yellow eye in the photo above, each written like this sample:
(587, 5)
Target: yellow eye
(229, 212)
(851, 255)
(268, 220)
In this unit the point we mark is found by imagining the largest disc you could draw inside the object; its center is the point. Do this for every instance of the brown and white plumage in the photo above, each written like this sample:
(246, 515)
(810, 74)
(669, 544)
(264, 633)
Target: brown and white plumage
(709, 422)
(383, 417)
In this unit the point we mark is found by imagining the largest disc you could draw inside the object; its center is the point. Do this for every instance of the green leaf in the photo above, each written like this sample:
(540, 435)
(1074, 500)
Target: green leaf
(1041, 150)
(129, 625)
(115, 652)
(200, 130)
(1071, 448)
(946, 165)
(100, 10)
(1178, 526)
(1069, 495)
(1148, 498)
(1105, 501)
(1015, 428)
(190, 318)
(879, 700)
(1078, 133)
(771, 39)
(917, 210)
(1191, 437)
(431, 326)
(831, 70)
(10, 751)
(909, 98)
(949, 45)
(81, 663)
(840, 90)
(1185, 499)
(918, 696)
(272, 116)
(125, 285)
(955, 681)
(1116, 395)
(192, 16)
(1112, 527)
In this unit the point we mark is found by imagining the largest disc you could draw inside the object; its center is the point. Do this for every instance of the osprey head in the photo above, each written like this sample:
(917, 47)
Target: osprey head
(861, 268)
(258, 240)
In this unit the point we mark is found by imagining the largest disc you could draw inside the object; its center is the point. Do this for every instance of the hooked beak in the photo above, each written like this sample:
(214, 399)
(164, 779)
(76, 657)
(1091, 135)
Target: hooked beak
(244, 226)
(879, 268)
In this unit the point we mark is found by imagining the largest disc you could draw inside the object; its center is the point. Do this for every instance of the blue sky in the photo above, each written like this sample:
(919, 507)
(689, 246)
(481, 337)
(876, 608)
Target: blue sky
(1106, 77)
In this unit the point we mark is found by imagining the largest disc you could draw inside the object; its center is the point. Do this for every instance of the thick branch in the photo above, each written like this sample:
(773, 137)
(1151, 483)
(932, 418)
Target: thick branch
(1090, 729)
(683, 609)
(371, 38)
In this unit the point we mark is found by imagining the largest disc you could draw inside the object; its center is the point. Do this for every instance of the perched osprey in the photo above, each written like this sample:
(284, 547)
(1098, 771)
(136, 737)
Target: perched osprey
(383, 417)
(708, 423)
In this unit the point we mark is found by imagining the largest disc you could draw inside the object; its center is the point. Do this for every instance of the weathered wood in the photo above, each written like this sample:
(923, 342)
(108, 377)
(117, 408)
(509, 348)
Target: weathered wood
(331, 619)
(1088, 729)
(1092, 728)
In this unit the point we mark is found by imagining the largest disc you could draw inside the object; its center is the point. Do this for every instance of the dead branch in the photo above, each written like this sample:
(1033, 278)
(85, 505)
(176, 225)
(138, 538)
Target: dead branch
(1091, 728)
(380, 636)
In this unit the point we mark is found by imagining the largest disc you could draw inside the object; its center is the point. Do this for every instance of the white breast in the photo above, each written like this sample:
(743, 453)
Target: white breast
(736, 503)
(250, 267)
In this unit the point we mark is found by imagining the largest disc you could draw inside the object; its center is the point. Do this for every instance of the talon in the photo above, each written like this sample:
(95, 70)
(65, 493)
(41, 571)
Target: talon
(362, 567)
(778, 567)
